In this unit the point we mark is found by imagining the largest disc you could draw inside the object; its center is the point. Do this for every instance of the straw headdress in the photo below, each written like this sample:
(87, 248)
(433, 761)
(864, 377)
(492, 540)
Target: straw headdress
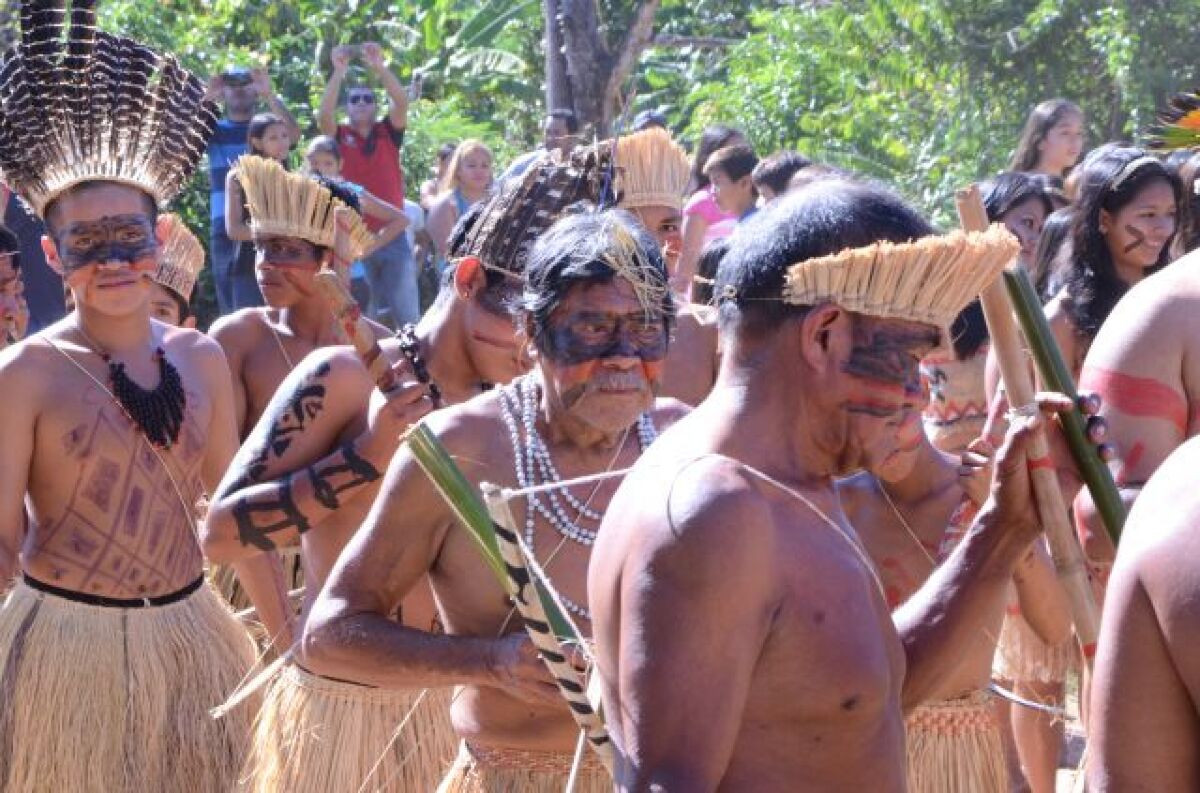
(180, 259)
(293, 205)
(523, 208)
(80, 105)
(652, 170)
(1178, 124)
(929, 280)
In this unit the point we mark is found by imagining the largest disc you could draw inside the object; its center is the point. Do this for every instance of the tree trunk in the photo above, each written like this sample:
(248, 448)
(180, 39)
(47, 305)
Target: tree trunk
(591, 74)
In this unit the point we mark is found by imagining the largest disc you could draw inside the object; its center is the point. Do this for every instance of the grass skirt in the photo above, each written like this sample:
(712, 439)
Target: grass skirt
(480, 769)
(315, 735)
(112, 699)
(1023, 657)
(955, 747)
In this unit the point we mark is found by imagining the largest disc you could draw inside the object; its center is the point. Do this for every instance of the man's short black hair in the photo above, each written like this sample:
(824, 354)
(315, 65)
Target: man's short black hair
(776, 171)
(573, 252)
(568, 117)
(819, 220)
(49, 213)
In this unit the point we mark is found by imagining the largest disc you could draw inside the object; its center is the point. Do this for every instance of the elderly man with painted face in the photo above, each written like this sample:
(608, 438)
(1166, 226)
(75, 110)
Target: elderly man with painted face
(312, 467)
(597, 310)
(743, 639)
(112, 648)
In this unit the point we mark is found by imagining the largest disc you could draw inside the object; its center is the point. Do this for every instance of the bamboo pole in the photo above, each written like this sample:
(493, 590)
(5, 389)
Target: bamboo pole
(1054, 373)
(1006, 344)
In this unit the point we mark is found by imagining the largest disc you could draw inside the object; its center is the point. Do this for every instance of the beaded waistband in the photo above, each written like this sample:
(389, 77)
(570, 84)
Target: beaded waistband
(529, 760)
(970, 713)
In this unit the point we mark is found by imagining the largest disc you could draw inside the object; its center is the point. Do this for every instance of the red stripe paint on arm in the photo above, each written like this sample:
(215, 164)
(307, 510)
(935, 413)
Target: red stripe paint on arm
(1144, 397)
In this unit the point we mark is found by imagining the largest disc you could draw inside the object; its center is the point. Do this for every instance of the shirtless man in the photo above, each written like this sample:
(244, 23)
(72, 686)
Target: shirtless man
(597, 310)
(111, 647)
(910, 511)
(263, 344)
(743, 641)
(1145, 365)
(318, 437)
(1145, 723)
(653, 175)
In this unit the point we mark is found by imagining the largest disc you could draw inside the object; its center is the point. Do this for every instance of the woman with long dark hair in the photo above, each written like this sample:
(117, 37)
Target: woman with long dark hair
(957, 407)
(1051, 141)
(267, 136)
(703, 220)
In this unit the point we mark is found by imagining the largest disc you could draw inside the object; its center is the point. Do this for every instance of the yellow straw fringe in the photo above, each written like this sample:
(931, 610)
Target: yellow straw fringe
(955, 747)
(294, 205)
(181, 258)
(1022, 656)
(929, 280)
(652, 170)
(315, 735)
(543, 772)
(107, 699)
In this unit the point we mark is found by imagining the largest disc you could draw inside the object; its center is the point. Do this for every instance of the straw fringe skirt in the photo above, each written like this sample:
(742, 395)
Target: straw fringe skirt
(112, 699)
(1022, 656)
(315, 735)
(955, 747)
(480, 769)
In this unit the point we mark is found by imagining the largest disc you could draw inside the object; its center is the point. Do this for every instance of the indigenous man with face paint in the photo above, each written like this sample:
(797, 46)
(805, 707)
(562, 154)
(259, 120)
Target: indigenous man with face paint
(308, 476)
(652, 175)
(910, 510)
(597, 310)
(743, 639)
(112, 648)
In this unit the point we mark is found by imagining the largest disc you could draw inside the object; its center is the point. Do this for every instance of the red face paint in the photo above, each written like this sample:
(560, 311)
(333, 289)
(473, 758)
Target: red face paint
(1144, 397)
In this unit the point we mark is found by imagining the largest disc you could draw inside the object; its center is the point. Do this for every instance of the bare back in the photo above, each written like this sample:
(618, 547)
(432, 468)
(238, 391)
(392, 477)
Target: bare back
(744, 601)
(110, 515)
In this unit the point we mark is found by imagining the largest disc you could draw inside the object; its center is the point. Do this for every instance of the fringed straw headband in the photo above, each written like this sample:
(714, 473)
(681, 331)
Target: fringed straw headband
(929, 280)
(288, 204)
(652, 170)
(180, 259)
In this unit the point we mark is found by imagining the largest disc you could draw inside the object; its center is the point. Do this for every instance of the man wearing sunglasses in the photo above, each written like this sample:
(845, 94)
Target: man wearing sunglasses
(370, 148)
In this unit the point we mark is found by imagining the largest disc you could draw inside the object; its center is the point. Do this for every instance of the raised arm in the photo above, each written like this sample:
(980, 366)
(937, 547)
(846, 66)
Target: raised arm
(297, 466)
(394, 219)
(262, 83)
(680, 690)
(17, 423)
(328, 109)
(236, 227)
(939, 623)
(397, 93)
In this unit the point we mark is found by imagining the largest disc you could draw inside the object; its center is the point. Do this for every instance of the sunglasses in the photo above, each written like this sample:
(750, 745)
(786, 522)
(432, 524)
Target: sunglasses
(361, 99)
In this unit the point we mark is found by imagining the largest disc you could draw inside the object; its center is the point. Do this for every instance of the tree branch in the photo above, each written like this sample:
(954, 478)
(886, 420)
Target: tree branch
(703, 42)
(641, 32)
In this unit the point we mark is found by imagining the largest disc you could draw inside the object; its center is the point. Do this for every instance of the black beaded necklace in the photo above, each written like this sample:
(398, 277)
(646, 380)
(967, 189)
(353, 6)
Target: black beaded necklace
(407, 336)
(157, 412)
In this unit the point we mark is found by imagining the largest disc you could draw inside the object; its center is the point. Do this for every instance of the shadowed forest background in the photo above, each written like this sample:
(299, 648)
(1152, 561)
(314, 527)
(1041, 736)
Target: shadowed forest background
(923, 94)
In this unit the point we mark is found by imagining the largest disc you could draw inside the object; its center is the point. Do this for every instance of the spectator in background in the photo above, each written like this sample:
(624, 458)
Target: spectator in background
(648, 119)
(1051, 141)
(240, 90)
(43, 288)
(14, 313)
(370, 151)
(706, 271)
(1053, 251)
(468, 179)
(729, 171)
(267, 136)
(323, 157)
(560, 131)
(703, 220)
(429, 188)
(772, 175)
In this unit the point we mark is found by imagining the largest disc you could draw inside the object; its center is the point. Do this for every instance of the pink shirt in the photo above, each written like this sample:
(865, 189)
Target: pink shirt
(703, 204)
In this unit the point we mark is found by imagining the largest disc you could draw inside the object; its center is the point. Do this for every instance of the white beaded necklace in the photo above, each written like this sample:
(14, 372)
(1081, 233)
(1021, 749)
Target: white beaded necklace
(534, 466)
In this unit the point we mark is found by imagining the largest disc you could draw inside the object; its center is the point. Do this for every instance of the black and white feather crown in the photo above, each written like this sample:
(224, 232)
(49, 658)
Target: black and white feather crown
(80, 105)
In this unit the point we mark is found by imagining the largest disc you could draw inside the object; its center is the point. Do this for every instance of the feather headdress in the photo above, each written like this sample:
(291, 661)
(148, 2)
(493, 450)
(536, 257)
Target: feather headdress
(652, 170)
(929, 280)
(522, 209)
(1178, 125)
(80, 105)
(180, 259)
(294, 205)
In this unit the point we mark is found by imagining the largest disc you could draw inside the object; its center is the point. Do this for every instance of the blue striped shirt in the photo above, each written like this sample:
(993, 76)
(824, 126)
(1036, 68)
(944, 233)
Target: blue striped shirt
(227, 144)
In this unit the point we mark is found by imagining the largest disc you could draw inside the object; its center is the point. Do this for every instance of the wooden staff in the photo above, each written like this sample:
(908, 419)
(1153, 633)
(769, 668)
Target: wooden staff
(1014, 369)
(356, 329)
